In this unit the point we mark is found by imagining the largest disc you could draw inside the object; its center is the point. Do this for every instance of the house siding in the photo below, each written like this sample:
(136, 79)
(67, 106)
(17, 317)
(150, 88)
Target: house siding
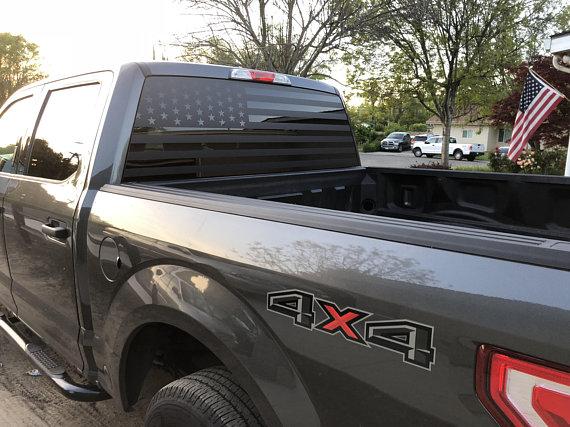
(482, 134)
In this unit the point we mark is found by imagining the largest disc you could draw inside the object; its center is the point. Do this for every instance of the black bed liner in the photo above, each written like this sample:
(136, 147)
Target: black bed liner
(532, 205)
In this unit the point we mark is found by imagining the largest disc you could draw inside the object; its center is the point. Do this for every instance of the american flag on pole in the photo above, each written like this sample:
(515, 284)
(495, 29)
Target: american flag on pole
(538, 99)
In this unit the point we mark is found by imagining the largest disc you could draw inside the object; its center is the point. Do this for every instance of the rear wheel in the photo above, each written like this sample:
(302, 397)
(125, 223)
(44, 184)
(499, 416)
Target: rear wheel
(417, 152)
(458, 154)
(209, 397)
(471, 157)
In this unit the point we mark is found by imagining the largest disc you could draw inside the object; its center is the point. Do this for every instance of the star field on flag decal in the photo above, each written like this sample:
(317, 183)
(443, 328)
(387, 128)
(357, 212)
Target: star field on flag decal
(211, 106)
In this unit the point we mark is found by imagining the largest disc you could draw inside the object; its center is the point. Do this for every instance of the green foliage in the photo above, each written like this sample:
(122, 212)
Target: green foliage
(562, 20)
(542, 162)
(18, 64)
(501, 163)
(370, 147)
(450, 57)
(394, 127)
(363, 133)
(8, 149)
(386, 100)
(419, 127)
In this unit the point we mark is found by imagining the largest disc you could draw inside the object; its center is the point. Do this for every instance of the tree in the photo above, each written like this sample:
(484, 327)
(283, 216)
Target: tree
(448, 50)
(304, 42)
(554, 131)
(386, 101)
(18, 64)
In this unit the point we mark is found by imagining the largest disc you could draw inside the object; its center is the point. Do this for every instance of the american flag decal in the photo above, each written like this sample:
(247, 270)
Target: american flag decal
(210, 106)
(538, 100)
(195, 127)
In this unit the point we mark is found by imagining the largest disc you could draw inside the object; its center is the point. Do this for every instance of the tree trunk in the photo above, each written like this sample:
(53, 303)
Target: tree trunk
(448, 113)
(445, 143)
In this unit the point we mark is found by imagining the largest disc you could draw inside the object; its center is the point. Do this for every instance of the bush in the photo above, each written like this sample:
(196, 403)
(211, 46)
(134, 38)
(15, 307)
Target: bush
(364, 133)
(434, 165)
(419, 127)
(501, 163)
(472, 168)
(393, 127)
(552, 160)
(544, 162)
(370, 147)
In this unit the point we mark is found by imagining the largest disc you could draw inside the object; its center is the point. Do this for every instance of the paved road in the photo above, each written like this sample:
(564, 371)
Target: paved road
(33, 401)
(406, 159)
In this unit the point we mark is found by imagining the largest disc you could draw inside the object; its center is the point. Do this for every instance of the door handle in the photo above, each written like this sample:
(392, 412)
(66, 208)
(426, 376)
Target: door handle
(55, 231)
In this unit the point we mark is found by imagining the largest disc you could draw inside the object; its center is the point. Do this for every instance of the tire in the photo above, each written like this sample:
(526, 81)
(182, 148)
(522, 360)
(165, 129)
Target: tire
(400, 148)
(458, 154)
(470, 158)
(417, 152)
(429, 156)
(209, 397)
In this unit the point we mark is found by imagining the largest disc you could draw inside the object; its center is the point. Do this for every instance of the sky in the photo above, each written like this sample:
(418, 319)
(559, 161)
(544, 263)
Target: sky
(84, 34)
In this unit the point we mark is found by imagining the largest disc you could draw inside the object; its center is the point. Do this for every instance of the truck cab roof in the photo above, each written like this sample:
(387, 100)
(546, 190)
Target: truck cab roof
(186, 69)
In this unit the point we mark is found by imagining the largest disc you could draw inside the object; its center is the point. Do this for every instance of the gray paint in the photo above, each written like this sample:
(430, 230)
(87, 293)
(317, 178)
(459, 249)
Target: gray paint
(205, 264)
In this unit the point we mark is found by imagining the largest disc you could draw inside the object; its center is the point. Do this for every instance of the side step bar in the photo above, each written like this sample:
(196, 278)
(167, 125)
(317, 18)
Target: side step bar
(48, 362)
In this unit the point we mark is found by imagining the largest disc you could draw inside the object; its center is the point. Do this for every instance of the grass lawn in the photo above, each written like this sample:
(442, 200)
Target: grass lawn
(472, 168)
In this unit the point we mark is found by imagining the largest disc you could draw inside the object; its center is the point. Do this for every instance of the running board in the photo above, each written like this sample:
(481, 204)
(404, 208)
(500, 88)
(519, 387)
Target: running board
(48, 363)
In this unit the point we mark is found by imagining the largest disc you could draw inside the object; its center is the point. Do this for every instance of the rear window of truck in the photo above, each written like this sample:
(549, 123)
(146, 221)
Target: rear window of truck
(188, 127)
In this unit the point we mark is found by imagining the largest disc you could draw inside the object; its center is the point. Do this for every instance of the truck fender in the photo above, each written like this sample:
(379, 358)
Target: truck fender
(198, 304)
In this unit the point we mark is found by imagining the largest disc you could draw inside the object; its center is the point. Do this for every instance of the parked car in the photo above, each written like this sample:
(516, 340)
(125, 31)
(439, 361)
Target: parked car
(192, 232)
(432, 147)
(396, 141)
(503, 151)
(420, 138)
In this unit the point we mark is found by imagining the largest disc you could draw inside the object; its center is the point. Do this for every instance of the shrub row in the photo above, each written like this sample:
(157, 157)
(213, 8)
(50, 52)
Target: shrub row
(550, 161)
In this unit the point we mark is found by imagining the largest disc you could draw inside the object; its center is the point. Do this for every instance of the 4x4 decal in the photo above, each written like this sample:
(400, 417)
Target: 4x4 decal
(341, 321)
(411, 339)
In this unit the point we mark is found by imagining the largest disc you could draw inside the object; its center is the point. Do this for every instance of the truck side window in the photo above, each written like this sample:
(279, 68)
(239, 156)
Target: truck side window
(12, 128)
(67, 125)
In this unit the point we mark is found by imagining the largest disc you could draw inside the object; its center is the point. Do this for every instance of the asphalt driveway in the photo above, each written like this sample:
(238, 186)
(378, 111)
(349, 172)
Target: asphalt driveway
(386, 159)
(33, 401)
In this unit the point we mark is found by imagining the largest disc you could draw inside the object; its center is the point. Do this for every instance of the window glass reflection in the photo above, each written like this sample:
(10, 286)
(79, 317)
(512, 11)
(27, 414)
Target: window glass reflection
(67, 125)
(12, 128)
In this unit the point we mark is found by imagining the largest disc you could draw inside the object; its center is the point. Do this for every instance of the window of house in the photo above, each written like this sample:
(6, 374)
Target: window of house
(12, 128)
(467, 133)
(67, 125)
(504, 135)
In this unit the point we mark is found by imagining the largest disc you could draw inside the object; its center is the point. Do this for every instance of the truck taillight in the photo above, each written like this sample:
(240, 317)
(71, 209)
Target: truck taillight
(520, 391)
(259, 76)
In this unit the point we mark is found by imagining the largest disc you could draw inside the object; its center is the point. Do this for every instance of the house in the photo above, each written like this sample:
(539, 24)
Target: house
(469, 129)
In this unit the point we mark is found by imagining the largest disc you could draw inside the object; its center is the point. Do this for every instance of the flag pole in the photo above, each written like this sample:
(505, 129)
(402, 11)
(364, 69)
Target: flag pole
(567, 168)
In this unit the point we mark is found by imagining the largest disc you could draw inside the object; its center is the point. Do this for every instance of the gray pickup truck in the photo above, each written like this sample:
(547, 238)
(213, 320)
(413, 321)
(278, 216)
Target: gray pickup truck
(205, 238)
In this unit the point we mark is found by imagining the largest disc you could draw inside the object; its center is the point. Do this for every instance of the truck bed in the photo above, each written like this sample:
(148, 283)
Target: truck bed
(513, 203)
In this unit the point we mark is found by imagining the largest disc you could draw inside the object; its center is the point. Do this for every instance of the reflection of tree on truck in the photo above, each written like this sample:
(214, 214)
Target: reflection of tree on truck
(45, 159)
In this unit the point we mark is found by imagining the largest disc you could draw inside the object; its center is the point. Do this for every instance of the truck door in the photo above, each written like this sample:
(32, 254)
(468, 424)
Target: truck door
(429, 146)
(15, 117)
(40, 205)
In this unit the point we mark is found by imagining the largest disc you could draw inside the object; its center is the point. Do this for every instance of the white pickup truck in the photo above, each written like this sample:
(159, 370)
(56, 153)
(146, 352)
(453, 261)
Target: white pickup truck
(432, 146)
